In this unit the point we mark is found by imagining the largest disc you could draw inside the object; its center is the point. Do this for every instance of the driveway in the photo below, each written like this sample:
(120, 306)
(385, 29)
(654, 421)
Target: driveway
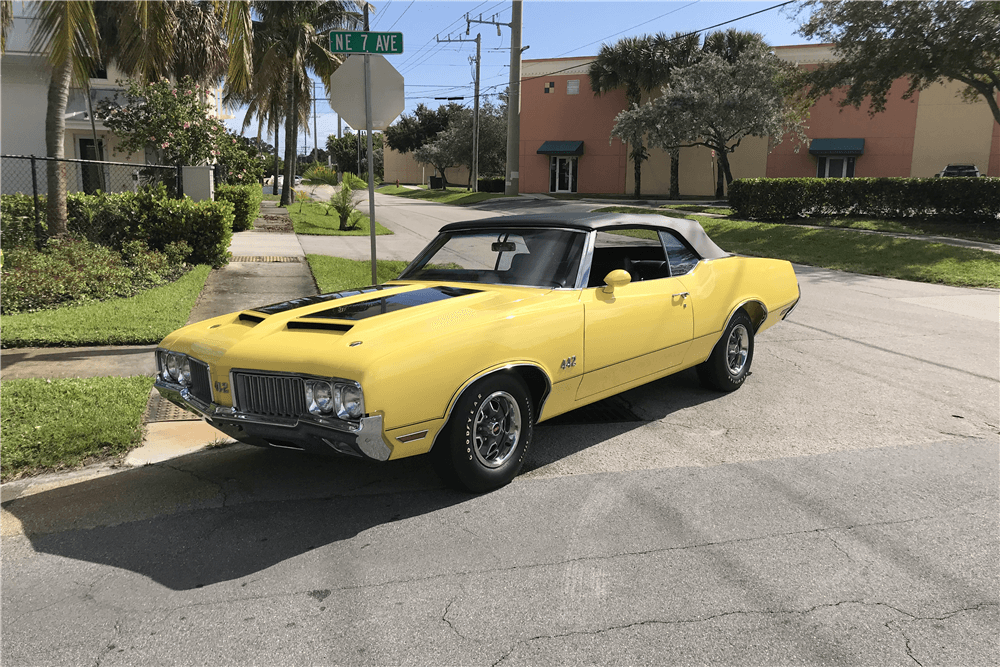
(841, 508)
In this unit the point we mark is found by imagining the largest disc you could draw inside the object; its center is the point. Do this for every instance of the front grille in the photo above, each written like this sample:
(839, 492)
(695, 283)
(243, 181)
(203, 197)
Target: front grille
(269, 395)
(201, 384)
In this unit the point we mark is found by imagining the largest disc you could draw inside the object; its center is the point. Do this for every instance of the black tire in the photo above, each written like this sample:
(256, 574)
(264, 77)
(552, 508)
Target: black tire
(729, 364)
(485, 441)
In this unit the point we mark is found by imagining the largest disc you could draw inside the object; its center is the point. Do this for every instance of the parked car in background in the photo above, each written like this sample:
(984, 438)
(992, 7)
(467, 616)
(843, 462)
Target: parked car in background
(497, 325)
(960, 170)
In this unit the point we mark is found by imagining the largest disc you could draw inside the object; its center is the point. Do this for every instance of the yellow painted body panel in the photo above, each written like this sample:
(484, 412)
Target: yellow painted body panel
(414, 363)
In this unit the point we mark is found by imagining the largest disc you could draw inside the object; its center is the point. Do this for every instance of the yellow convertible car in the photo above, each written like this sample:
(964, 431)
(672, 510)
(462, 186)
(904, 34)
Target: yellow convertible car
(497, 325)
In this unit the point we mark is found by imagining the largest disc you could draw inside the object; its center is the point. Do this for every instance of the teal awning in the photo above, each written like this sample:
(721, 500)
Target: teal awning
(561, 148)
(837, 147)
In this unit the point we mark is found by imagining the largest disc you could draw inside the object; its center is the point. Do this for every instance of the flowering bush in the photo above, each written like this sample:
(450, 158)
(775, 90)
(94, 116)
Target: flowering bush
(173, 123)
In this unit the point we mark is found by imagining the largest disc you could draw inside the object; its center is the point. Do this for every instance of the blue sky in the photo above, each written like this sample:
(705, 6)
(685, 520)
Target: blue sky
(555, 29)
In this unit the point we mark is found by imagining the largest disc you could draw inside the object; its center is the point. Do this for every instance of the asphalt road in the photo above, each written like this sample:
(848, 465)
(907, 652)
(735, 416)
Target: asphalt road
(841, 508)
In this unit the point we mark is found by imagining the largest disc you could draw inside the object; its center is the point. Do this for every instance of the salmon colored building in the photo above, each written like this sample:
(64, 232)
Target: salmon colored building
(565, 130)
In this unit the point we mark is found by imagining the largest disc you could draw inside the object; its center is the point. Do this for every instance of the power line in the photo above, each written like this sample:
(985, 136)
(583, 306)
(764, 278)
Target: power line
(630, 29)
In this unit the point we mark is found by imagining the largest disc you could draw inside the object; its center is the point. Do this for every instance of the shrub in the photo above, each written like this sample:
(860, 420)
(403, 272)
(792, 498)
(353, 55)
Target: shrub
(17, 220)
(206, 226)
(965, 199)
(492, 184)
(79, 270)
(246, 201)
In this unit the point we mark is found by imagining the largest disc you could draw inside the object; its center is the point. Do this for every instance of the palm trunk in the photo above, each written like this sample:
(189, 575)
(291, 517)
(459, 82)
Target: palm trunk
(675, 168)
(286, 190)
(55, 132)
(274, 185)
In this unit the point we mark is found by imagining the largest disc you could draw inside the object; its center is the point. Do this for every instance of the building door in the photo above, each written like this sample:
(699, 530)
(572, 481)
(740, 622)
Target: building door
(835, 167)
(90, 173)
(562, 174)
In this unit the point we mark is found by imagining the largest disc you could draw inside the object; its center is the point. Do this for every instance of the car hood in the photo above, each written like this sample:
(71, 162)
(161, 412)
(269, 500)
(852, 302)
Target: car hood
(343, 333)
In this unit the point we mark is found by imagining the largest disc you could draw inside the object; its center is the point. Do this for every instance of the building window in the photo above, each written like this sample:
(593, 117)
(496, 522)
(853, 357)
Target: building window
(550, 87)
(832, 166)
(573, 87)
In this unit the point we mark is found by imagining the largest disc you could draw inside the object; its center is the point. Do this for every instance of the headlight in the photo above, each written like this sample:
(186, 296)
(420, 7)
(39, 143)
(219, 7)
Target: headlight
(175, 367)
(319, 397)
(351, 403)
(327, 398)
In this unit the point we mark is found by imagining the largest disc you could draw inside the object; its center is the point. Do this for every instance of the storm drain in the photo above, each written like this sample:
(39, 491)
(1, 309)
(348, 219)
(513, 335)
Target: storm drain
(265, 258)
(609, 411)
(159, 409)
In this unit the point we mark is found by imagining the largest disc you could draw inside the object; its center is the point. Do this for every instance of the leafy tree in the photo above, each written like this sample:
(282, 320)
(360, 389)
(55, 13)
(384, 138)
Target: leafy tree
(715, 104)
(345, 153)
(630, 64)
(414, 130)
(879, 42)
(673, 53)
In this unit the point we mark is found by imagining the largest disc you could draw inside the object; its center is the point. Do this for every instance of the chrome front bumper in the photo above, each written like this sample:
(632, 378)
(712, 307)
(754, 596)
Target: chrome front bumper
(318, 435)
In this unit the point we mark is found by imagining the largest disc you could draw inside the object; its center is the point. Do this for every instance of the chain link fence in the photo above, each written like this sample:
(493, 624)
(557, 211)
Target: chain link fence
(29, 175)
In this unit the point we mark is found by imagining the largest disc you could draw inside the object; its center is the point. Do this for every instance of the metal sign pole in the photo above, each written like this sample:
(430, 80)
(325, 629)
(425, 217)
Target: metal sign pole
(371, 154)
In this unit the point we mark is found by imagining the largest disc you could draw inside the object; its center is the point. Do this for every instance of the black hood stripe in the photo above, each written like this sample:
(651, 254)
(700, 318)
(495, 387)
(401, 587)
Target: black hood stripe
(285, 306)
(390, 304)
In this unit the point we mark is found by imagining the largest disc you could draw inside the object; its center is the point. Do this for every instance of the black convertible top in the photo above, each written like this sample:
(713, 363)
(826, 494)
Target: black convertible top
(689, 230)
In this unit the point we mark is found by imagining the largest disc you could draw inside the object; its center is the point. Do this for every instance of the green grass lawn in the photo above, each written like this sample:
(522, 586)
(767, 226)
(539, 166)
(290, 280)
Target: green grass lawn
(336, 273)
(907, 259)
(311, 218)
(141, 319)
(456, 196)
(60, 424)
(960, 230)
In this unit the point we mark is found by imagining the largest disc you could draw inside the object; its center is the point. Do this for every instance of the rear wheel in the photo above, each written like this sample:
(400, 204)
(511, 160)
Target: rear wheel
(729, 364)
(484, 443)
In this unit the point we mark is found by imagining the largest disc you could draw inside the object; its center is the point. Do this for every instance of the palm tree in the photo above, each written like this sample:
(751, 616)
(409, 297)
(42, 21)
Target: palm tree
(147, 40)
(628, 64)
(294, 41)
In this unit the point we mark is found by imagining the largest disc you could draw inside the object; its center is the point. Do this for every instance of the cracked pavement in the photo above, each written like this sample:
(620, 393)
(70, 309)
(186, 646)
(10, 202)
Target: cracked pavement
(841, 509)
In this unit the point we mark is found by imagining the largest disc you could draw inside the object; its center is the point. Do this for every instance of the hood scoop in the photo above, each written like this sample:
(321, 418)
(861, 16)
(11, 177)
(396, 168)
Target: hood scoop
(320, 326)
(250, 319)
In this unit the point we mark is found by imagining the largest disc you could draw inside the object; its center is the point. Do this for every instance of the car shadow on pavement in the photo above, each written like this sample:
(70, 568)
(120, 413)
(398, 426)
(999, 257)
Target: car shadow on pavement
(225, 513)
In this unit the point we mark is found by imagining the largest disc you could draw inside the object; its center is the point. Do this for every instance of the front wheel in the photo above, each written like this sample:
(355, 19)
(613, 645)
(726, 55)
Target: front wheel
(729, 364)
(484, 443)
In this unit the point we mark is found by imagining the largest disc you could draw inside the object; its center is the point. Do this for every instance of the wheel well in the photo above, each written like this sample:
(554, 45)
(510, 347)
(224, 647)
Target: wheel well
(756, 311)
(537, 382)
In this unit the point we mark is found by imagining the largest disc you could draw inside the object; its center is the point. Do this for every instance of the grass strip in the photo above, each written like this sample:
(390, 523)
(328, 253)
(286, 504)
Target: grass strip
(311, 218)
(138, 320)
(59, 424)
(870, 254)
(336, 273)
(454, 196)
(694, 208)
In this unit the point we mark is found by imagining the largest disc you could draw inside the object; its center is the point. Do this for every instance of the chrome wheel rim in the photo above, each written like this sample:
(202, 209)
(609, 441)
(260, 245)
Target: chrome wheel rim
(496, 429)
(737, 349)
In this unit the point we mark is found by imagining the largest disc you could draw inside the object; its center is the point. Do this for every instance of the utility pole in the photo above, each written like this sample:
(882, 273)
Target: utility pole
(315, 136)
(475, 111)
(513, 94)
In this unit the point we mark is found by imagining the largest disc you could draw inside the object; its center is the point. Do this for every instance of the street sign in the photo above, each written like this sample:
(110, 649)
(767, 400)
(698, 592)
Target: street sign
(357, 41)
(347, 92)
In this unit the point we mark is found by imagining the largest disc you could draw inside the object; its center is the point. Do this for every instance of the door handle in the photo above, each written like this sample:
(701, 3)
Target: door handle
(683, 296)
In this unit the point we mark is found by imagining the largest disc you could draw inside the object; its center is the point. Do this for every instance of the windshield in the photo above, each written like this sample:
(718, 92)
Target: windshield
(533, 257)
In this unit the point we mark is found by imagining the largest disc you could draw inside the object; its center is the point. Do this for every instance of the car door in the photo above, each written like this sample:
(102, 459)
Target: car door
(641, 329)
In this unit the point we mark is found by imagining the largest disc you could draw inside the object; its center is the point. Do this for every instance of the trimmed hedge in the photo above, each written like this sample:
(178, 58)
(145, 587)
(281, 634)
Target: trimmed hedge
(492, 184)
(246, 201)
(968, 199)
(113, 220)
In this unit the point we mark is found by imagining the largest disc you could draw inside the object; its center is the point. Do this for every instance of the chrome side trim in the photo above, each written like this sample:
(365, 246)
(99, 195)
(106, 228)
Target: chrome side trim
(480, 376)
(411, 437)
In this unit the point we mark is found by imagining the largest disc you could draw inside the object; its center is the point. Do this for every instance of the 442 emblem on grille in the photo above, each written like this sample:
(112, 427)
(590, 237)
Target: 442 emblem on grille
(222, 387)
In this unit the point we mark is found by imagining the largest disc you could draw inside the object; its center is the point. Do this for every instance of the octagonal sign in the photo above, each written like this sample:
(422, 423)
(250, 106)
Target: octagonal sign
(347, 92)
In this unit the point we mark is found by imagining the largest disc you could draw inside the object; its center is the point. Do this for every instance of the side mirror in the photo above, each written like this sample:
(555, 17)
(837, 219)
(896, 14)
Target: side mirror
(615, 279)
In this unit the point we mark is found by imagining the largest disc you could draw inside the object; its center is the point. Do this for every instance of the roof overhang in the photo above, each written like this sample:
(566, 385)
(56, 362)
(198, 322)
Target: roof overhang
(561, 148)
(837, 147)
